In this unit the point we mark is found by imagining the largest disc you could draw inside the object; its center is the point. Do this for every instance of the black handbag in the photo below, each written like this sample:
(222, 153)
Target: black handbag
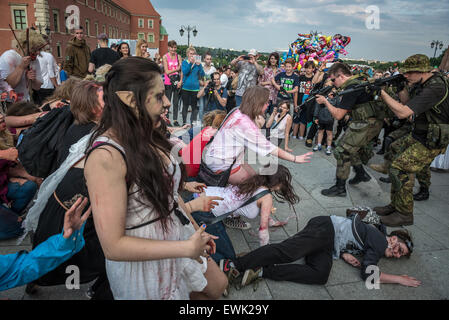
(209, 177)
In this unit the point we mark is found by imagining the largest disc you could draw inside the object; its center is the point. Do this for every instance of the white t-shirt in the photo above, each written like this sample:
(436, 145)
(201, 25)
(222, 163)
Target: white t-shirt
(9, 61)
(233, 201)
(209, 72)
(224, 80)
(49, 69)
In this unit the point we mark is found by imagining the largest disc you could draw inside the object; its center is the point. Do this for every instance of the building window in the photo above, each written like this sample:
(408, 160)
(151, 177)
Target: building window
(66, 16)
(20, 19)
(140, 23)
(95, 4)
(141, 35)
(58, 50)
(150, 23)
(96, 29)
(56, 20)
(104, 29)
(87, 27)
(151, 37)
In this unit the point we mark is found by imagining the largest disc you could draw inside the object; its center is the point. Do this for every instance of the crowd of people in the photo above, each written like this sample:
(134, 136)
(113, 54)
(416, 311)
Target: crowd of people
(162, 194)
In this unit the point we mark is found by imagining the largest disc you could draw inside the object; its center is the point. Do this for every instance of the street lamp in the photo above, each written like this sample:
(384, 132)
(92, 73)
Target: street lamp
(437, 44)
(188, 29)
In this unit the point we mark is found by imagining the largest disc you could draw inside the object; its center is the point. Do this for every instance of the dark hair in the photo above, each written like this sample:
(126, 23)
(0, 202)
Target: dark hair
(405, 237)
(309, 64)
(119, 50)
(135, 131)
(276, 56)
(84, 102)
(22, 108)
(282, 178)
(290, 61)
(281, 102)
(207, 54)
(214, 74)
(172, 43)
(340, 67)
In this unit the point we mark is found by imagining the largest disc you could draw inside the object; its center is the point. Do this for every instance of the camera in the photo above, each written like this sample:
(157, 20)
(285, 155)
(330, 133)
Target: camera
(210, 88)
(246, 58)
(174, 79)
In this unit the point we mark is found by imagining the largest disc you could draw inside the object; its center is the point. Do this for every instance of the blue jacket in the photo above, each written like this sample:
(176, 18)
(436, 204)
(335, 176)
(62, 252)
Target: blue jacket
(192, 76)
(23, 267)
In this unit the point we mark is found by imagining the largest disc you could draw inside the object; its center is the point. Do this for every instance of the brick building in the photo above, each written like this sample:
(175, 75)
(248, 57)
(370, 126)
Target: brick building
(117, 18)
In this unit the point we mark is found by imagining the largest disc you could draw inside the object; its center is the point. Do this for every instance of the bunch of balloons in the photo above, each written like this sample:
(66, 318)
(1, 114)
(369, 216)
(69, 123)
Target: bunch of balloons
(317, 48)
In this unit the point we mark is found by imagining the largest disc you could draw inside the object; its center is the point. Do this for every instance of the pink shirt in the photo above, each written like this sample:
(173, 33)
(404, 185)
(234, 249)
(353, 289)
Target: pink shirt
(172, 64)
(268, 74)
(238, 133)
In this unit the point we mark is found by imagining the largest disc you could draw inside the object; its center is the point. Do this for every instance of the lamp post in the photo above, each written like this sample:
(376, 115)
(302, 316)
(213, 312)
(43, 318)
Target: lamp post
(437, 44)
(188, 29)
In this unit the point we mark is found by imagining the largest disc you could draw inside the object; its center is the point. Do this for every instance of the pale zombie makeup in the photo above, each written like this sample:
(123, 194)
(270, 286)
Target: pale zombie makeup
(156, 101)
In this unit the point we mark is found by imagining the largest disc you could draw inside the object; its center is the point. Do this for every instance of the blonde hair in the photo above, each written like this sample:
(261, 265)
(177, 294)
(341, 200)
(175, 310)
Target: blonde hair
(100, 74)
(190, 49)
(139, 44)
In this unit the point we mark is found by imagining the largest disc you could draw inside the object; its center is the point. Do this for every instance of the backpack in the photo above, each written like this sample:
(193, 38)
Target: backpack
(38, 146)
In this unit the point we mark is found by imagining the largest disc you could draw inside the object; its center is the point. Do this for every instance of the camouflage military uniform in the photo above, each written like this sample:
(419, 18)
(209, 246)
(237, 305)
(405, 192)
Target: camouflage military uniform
(355, 147)
(413, 153)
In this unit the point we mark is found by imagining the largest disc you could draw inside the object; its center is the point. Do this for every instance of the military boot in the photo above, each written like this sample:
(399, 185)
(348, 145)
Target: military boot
(360, 175)
(423, 194)
(339, 190)
(397, 219)
(384, 211)
(382, 168)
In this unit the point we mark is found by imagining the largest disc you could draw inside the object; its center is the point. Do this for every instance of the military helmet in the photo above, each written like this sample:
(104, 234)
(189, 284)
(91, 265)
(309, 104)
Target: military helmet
(416, 63)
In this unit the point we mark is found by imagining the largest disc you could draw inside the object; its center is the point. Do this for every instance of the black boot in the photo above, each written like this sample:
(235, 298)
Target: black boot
(385, 179)
(423, 194)
(360, 175)
(339, 190)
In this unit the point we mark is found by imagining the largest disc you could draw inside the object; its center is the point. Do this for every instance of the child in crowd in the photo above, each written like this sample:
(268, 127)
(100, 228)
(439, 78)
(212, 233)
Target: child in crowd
(325, 122)
(305, 87)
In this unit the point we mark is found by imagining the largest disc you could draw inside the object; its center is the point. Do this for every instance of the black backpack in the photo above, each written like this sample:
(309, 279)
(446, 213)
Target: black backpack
(38, 146)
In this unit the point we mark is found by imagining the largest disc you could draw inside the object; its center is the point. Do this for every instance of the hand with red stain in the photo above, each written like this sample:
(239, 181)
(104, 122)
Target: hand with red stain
(195, 187)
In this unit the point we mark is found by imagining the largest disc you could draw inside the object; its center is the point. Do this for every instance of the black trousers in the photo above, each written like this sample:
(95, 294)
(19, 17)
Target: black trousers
(189, 98)
(315, 243)
(172, 91)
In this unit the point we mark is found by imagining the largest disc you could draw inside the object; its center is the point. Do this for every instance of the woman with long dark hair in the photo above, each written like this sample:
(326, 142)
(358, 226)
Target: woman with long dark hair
(152, 250)
(280, 186)
(123, 50)
(269, 72)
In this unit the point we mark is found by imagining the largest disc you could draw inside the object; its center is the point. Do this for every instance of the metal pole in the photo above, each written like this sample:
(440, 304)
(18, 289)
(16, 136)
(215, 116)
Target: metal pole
(188, 37)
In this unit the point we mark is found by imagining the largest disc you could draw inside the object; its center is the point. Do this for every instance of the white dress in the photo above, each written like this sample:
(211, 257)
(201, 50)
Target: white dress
(168, 279)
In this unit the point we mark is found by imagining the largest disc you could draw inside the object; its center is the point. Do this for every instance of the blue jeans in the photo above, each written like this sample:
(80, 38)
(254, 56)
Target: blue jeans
(10, 228)
(225, 249)
(238, 101)
(21, 195)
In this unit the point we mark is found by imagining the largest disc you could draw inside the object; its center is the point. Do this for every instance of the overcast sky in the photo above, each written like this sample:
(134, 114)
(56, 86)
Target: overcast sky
(405, 27)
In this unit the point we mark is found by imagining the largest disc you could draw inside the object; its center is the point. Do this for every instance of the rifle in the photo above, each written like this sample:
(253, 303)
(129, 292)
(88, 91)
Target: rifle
(320, 92)
(367, 86)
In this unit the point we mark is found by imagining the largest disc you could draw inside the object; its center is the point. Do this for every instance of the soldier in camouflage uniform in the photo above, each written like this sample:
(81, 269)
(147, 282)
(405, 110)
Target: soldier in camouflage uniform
(355, 147)
(428, 107)
(392, 148)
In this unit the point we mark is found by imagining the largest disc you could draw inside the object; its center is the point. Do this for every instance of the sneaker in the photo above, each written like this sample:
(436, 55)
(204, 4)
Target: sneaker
(176, 124)
(231, 273)
(250, 276)
(329, 151)
(301, 138)
(236, 223)
(317, 148)
(309, 143)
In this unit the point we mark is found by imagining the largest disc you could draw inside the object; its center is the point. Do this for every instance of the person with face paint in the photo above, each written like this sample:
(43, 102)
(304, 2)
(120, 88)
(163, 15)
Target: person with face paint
(323, 239)
(17, 69)
(153, 248)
